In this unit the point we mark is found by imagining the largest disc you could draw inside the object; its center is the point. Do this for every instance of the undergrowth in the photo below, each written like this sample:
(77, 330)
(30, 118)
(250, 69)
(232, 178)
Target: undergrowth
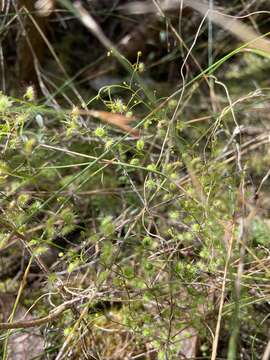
(152, 244)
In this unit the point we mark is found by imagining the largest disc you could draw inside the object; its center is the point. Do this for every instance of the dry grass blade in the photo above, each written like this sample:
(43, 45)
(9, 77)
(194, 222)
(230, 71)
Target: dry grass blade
(89, 22)
(92, 25)
(44, 7)
(266, 354)
(223, 288)
(231, 24)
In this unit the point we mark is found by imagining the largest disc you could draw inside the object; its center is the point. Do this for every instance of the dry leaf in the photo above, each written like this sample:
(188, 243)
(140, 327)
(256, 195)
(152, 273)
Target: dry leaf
(118, 120)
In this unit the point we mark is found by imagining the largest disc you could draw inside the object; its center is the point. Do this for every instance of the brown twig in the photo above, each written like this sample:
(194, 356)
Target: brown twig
(37, 322)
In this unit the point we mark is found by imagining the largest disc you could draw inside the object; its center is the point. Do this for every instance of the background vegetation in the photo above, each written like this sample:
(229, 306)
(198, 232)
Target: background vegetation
(134, 180)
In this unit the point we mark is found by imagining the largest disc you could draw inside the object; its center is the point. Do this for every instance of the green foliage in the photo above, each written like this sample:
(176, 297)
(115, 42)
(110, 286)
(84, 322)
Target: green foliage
(260, 232)
(107, 227)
